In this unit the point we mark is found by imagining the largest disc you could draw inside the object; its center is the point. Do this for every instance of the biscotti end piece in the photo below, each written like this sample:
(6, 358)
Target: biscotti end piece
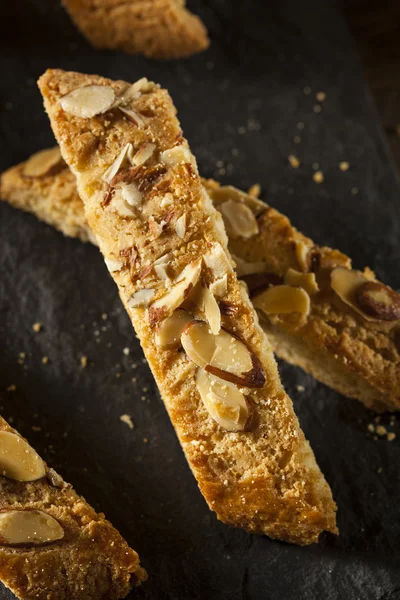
(52, 543)
(166, 248)
(45, 186)
(347, 333)
(154, 28)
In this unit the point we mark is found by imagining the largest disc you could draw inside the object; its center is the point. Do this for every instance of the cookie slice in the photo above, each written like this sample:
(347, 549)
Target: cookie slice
(52, 543)
(154, 28)
(328, 337)
(166, 248)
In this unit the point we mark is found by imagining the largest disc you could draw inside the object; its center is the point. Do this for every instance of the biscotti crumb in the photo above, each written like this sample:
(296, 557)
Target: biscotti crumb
(255, 190)
(127, 419)
(300, 388)
(391, 436)
(344, 165)
(37, 327)
(293, 161)
(371, 427)
(307, 90)
(126, 351)
(12, 388)
(381, 430)
(45, 360)
(354, 191)
(318, 177)
(320, 96)
(36, 428)
(104, 316)
(84, 362)
(317, 108)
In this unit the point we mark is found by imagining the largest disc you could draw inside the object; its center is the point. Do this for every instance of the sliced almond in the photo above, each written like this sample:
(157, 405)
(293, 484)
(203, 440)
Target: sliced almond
(88, 101)
(222, 355)
(113, 265)
(176, 155)
(18, 460)
(219, 287)
(162, 271)
(348, 285)
(28, 527)
(307, 281)
(134, 91)
(209, 306)
(217, 261)
(248, 268)
(302, 250)
(143, 154)
(224, 402)
(239, 220)
(180, 226)
(119, 205)
(168, 334)
(141, 298)
(131, 194)
(133, 116)
(42, 162)
(283, 299)
(379, 301)
(113, 169)
(184, 284)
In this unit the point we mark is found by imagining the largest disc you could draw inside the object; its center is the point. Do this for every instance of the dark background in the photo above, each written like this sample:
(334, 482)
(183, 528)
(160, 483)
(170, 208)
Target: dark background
(247, 102)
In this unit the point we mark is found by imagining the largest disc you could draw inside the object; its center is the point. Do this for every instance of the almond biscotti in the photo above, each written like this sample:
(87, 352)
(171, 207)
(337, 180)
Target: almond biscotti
(334, 340)
(154, 28)
(166, 248)
(53, 545)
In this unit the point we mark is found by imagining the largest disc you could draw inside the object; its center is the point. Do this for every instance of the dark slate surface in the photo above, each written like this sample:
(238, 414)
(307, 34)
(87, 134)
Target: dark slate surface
(241, 103)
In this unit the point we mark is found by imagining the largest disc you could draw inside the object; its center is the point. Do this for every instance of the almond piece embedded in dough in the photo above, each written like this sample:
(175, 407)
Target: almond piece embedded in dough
(28, 527)
(88, 101)
(18, 460)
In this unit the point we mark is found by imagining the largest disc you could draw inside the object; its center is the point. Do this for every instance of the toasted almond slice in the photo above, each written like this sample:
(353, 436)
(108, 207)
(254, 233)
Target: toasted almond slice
(162, 271)
(222, 355)
(180, 226)
(88, 101)
(302, 255)
(113, 265)
(176, 155)
(132, 115)
(42, 162)
(217, 261)
(180, 290)
(168, 334)
(379, 301)
(307, 281)
(212, 313)
(141, 298)
(131, 194)
(219, 287)
(224, 402)
(246, 268)
(239, 219)
(18, 460)
(346, 284)
(28, 527)
(143, 154)
(134, 91)
(198, 342)
(113, 169)
(119, 205)
(283, 299)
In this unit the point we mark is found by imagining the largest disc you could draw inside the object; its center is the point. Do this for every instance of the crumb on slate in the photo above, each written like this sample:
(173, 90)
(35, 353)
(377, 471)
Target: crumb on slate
(37, 327)
(84, 361)
(293, 161)
(344, 165)
(12, 388)
(127, 420)
(391, 436)
(255, 190)
(320, 96)
(126, 351)
(318, 177)
(45, 360)
(300, 388)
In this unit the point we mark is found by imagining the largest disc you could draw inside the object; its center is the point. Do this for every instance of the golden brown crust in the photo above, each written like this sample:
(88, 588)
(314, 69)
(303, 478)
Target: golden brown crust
(336, 346)
(266, 479)
(156, 28)
(91, 562)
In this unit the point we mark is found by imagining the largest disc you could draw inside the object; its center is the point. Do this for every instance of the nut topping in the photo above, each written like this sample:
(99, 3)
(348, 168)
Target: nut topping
(217, 261)
(239, 219)
(168, 334)
(302, 251)
(176, 155)
(283, 299)
(307, 281)
(18, 460)
(224, 402)
(133, 116)
(28, 527)
(379, 301)
(141, 298)
(88, 101)
(222, 355)
(113, 169)
(180, 226)
(143, 154)
(113, 265)
(346, 283)
(42, 163)
(246, 268)
(180, 290)
(220, 287)
(212, 313)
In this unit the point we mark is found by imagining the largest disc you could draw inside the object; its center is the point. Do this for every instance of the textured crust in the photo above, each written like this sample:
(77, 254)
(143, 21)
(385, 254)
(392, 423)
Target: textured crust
(155, 28)
(336, 346)
(91, 562)
(265, 480)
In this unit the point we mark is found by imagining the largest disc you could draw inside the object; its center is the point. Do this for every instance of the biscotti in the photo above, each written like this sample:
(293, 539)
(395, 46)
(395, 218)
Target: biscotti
(53, 545)
(154, 28)
(166, 248)
(335, 340)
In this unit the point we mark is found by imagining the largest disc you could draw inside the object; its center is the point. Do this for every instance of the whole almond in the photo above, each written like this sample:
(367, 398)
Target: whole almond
(379, 301)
